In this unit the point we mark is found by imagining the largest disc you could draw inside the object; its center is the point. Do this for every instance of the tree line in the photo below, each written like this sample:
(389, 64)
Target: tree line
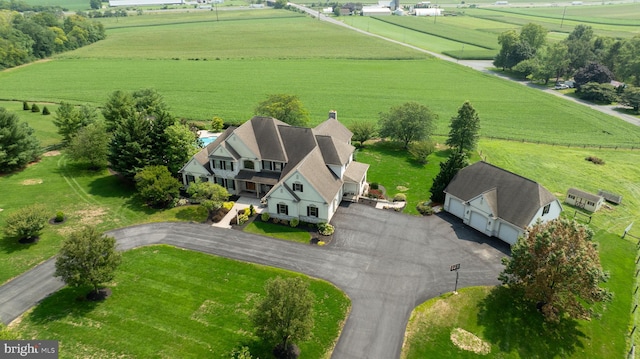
(593, 61)
(28, 36)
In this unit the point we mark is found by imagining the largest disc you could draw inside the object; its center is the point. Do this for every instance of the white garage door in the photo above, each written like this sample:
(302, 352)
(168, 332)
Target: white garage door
(456, 208)
(478, 221)
(508, 233)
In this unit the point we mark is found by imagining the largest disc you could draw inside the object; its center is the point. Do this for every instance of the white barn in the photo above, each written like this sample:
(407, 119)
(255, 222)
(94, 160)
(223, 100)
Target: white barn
(497, 202)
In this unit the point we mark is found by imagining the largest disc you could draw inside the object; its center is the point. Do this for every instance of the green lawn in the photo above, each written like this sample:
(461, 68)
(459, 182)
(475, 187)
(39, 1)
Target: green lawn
(172, 303)
(85, 197)
(278, 231)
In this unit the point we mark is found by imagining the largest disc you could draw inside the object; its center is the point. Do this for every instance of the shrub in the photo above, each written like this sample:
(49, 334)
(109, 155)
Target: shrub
(228, 205)
(252, 210)
(242, 211)
(35, 108)
(375, 193)
(59, 217)
(25, 106)
(26, 223)
(595, 160)
(321, 243)
(45, 111)
(284, 222)
(242, 218)
(217, 124)
(425, 208)
(421, 150)
(264, 216)
(294, 222)
(400, 197)
(325, 229)
(374, 185)
(275, 221)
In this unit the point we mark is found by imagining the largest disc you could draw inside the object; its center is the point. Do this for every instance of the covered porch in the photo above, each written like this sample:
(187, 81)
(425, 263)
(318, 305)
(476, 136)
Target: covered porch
(255, 184)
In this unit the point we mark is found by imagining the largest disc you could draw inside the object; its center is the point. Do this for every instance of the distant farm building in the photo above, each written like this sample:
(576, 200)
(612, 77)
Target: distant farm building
(144, 2)
(427, 12)
(375, 11)
(502, 3)
(585, 200)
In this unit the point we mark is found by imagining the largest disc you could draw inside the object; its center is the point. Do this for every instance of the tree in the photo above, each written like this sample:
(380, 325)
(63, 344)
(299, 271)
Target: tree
(507, 41)
(182, 143)
(463, 133)
(406, 123)
(217, 124)
(95, 4)
(556, 265)
(209, 195)
(580, 46)
(118, 107)
(448, 169)
(363, 131)
(157, 187)
(421, 150)
(87, 257)
(90, 145)
(631, 97)
(593, 91)
(593, 72)
(131, 147)
(285, 314)
(18, 145)
(534, 35)
(26, 223)
(554, 61)
(286, 108)
(629, 60)
(70, 119)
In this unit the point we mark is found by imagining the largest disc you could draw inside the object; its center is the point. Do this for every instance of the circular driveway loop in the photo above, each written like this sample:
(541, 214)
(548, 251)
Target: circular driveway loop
(386, 262)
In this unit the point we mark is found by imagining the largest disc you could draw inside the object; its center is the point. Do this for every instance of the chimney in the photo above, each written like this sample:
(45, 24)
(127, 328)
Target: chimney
(333, 114)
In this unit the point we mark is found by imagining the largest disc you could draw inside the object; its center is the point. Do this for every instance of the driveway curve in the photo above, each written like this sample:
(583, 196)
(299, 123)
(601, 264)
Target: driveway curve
(386, 262)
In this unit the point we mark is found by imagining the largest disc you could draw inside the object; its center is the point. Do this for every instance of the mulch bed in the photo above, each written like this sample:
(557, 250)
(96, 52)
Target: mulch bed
(313, 232)
(54, 222)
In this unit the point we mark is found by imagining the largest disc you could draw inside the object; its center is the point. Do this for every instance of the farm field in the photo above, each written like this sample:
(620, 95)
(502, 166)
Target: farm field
(215, 297)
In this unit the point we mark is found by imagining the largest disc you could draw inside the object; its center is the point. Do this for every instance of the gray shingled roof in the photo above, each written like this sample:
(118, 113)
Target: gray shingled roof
(332, 127)
(586, 195)
(355, 171)
(334, 152)
(513, 198)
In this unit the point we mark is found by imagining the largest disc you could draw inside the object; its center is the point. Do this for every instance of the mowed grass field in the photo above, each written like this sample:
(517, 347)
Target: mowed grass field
(173, 303)
(328, 67)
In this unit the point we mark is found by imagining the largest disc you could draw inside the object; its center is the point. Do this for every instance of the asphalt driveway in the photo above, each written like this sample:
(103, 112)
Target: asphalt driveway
(386, 262)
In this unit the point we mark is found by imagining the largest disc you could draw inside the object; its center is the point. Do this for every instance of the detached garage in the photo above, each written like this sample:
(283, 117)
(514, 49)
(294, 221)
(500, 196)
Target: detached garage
(497, 202)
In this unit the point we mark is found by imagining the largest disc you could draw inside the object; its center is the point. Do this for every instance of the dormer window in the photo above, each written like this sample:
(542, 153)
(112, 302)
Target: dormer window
(297, 187)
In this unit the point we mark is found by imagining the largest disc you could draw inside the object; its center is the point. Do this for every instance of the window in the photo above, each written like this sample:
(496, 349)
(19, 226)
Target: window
(249, 165)
(204, 179)
(590, 203)
(572, 196)
(312, 211)
(283, 209)
(190, 179)
(546, 208)
(272, 166)
(297, 187)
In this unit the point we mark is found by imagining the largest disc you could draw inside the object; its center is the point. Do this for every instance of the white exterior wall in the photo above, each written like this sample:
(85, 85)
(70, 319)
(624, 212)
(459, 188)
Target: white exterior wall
(554, 212)
(195, 169)
(338, 170)
(240, 147)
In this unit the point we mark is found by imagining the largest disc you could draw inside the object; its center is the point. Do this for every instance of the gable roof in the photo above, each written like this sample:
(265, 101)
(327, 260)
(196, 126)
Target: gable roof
(513, 198)
(334, 152)
(586, 195)
(332, 127)
(261, 136)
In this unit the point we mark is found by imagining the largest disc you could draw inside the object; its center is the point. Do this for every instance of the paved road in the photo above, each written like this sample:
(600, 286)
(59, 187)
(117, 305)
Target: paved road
(386, 262)
(480, 65)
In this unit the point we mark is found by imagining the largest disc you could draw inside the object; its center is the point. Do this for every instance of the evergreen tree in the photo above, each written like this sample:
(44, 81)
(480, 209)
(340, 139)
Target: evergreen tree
(448, 169)
(131, 147)
(182, 143)
(463, 135)
(18, 145)
(70, 119)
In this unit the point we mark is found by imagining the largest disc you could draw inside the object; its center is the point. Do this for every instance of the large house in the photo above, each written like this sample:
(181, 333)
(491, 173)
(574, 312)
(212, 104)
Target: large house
(297, 172)
(497, 202)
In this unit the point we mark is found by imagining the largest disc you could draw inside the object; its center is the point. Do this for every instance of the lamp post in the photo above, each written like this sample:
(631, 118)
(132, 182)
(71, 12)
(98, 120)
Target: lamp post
(455, 268)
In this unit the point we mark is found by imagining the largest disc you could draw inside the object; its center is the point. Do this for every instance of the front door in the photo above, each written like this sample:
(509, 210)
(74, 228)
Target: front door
(251, 186)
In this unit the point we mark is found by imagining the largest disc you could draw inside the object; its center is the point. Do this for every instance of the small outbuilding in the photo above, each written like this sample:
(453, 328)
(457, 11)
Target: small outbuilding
(497, 202)
(375, 11)
(585, 200)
